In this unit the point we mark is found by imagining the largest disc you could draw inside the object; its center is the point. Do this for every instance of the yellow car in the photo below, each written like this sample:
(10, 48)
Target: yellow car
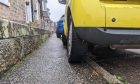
(109, 23)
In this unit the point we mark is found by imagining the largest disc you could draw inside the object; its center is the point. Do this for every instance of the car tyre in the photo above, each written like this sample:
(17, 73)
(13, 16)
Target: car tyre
(64, 39)
(75, 47)
(58, 34)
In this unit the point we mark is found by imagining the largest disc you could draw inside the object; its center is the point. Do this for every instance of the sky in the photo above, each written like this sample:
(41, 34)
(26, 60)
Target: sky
(56, 9)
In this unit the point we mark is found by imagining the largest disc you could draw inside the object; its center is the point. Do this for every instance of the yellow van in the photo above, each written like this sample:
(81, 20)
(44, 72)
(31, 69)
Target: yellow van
(112, 23)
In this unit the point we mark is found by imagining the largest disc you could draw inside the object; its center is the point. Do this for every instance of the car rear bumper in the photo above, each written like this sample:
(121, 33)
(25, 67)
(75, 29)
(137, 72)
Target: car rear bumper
(109, 37)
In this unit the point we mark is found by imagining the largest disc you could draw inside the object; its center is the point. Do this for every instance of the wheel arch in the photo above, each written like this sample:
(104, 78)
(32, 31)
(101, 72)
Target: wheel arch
(68, 19)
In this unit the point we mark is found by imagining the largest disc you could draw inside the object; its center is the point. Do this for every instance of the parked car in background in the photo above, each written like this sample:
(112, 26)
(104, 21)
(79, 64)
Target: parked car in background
(60, 27)
(60, 30)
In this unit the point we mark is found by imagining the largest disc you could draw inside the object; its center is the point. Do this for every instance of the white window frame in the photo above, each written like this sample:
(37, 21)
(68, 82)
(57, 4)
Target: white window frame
(44, 4)
(37, 8)
(28, 12)
(5, 2)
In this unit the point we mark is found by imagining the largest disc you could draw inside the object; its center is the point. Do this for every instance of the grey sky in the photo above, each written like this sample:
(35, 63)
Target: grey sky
(56, 9)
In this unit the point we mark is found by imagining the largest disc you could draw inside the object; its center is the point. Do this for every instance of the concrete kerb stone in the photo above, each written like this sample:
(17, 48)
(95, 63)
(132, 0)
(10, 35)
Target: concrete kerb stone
(105, 74)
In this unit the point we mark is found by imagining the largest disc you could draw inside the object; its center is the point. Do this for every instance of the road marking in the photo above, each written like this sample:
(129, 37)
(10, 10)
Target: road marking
(101, 71)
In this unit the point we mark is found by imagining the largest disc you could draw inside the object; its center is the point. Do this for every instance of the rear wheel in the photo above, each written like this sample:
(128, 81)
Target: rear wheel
(75, 47)
(64, 39)
(58, 34)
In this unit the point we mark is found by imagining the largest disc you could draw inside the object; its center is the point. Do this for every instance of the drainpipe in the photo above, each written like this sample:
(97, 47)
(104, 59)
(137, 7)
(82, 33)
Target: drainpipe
(32, 10)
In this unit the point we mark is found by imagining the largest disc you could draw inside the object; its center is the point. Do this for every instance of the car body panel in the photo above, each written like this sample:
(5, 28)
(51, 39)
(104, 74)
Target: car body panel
(126, 15)
(99, 13)
(82, 14)
(87, 13)
(105, 14)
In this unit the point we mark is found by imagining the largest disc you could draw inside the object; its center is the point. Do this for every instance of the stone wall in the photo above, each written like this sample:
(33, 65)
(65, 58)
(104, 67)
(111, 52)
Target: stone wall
(12, 29)
(17, 41)
(14, 12)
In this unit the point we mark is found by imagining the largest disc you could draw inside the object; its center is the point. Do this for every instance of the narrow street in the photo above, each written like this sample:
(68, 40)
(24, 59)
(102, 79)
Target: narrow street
(103, 35)
(49, 65)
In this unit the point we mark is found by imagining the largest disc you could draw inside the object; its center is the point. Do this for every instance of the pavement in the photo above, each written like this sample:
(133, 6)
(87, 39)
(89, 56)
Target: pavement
(49, 65)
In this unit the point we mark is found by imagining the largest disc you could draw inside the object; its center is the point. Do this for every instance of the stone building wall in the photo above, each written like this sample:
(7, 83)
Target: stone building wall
(14, 12)
(17, 11)
(36, 14)
(17, 39)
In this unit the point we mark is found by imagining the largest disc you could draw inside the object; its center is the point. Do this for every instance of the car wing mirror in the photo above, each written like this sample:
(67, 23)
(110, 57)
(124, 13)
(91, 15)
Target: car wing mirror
(62, 1)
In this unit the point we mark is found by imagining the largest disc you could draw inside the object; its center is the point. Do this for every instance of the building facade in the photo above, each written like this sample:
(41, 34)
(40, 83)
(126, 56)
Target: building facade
(18, 37)
(30, 12)
(45, 15)
(13, 10)
(33, 13)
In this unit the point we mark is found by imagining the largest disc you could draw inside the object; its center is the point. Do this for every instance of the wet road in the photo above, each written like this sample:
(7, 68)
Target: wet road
(49, 65)
(123, 64)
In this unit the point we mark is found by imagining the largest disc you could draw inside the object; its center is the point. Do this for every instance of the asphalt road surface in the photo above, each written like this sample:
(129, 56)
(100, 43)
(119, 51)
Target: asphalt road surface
(125, 64)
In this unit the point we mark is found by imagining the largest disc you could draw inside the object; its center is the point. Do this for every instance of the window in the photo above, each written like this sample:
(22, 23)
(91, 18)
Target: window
(5, 2)
(28, 12)
(37, 13)
(44, 4)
